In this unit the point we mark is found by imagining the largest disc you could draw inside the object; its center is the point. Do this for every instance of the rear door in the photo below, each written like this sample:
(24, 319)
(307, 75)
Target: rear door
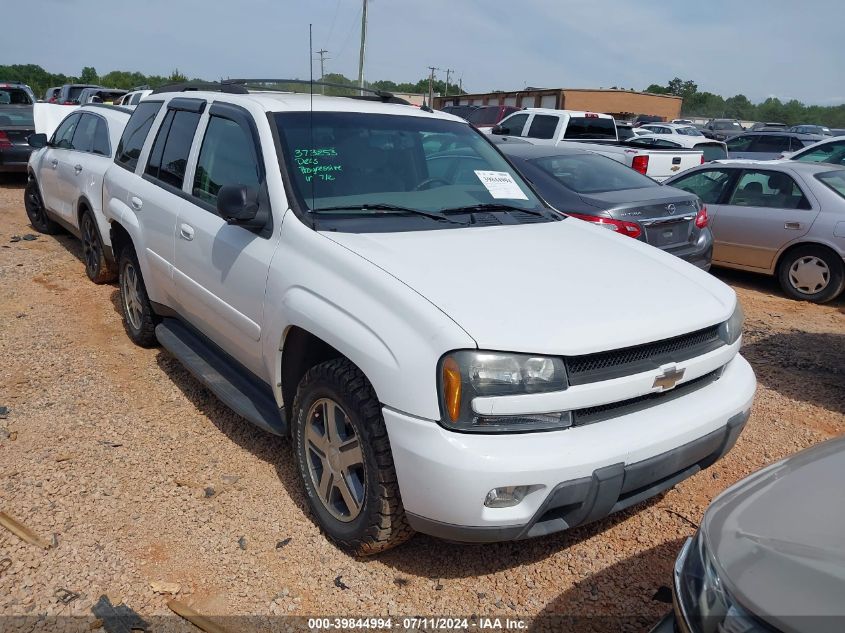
(543, 128)
(765, 210)
(221, 269)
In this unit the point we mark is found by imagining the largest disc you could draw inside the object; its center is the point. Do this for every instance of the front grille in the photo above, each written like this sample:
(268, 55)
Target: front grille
(640, 358)
(599, 413)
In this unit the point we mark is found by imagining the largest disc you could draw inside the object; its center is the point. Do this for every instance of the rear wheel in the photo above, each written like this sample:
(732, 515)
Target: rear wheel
(811, 273)
(344, 458)
(97, 267)
(139, 320)
(35, 211)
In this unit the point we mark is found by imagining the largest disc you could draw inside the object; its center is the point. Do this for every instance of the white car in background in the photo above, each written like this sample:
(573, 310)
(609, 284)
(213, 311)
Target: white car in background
(711, 149)
(65, 183)
(831, 150)
(133, 98)
(672, 129)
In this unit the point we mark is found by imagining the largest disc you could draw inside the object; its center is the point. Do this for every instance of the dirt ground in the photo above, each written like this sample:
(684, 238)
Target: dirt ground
(139, 475)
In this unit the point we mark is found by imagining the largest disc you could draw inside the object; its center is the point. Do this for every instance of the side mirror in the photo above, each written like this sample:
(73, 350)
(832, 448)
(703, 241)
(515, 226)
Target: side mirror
(237, 204)
(498, 130)
(37, 141)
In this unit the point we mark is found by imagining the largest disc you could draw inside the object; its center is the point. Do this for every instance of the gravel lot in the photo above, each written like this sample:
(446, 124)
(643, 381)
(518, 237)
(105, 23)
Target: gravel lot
(141, 476)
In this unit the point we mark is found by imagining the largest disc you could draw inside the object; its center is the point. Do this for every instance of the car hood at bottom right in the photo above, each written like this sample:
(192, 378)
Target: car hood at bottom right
(779, 538)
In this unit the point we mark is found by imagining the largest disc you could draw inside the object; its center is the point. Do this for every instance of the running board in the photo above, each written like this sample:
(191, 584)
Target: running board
(237, 387)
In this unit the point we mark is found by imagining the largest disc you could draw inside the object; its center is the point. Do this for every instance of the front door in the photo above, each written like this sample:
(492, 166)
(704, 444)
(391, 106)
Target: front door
(220, 270)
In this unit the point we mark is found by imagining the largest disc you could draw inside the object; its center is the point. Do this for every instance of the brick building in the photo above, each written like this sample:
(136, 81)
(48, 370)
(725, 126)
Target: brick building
(622, 104)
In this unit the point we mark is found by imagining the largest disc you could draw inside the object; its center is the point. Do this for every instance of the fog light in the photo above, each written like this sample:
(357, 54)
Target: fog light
(506, 497)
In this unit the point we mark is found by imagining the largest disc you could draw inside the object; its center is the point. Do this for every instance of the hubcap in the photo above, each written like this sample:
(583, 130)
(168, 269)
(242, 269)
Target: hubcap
(809, 274)
(131, 296)
(90, 245)
(335, 460)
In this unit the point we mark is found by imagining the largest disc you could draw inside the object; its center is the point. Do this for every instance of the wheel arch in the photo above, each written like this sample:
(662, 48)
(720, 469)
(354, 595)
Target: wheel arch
(120, 237)
(804, 243)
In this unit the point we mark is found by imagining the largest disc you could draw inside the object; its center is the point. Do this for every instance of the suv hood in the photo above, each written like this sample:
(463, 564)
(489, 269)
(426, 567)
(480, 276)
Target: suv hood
(778, 537)
(563, 287)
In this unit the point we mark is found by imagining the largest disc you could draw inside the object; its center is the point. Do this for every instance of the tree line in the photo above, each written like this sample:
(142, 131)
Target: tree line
(707, 104)
(39, 80)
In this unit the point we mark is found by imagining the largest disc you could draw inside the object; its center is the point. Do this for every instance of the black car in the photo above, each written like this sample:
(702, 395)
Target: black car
(597, 189)
(722, 129)
(16, 125)
(69, 93)
(642, 119)
(462, 111)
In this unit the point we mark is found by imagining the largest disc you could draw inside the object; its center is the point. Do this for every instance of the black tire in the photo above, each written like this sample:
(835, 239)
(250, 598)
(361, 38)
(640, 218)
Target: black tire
(139, 320)
(97, 267)
(824, 267)
(380, 523)
(35, 211)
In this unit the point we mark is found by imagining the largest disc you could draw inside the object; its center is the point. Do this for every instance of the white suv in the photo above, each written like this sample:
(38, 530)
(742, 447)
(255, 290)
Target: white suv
(449, 354)
(65, 182)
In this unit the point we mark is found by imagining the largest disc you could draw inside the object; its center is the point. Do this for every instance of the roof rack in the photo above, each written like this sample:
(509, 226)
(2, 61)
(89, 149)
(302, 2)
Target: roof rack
(108, 106)
(211, 86)
(383, 95)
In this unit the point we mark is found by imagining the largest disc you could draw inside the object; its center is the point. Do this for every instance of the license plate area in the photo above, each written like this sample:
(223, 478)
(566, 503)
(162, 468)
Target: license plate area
(668, 233)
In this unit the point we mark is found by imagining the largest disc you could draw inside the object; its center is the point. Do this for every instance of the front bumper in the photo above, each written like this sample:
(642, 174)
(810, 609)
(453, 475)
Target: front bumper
(578, 475)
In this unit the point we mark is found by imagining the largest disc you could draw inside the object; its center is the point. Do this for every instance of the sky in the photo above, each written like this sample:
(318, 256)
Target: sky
(791, 49)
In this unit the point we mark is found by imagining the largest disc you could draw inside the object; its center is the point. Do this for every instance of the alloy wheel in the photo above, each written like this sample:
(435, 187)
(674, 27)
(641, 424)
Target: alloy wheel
(90, 245)
(809, 274)
(33, 205)
(130, 284)
(335, 460)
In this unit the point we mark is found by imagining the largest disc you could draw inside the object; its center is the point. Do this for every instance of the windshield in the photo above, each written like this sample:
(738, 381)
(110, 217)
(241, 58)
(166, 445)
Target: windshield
(591, 173)
(590, 127)
(727, 125)
(835, 180)
(345, 160)
(15, 115)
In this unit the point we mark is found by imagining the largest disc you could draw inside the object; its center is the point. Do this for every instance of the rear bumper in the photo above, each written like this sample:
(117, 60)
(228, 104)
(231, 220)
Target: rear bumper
(14, 159)
(577, 475)
(699, 254)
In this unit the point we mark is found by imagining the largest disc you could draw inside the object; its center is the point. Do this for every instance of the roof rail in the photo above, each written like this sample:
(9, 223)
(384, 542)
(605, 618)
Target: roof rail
(108, 106)
(211, 86)
(381, 95)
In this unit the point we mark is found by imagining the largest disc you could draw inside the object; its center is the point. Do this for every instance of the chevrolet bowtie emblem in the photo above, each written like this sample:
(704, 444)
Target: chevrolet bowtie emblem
(668, 377)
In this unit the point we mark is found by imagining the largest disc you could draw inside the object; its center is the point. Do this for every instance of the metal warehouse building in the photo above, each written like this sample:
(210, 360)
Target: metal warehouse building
(620, 103)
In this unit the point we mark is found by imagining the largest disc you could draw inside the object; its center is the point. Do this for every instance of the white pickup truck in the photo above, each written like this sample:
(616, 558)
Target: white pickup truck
(596, 132)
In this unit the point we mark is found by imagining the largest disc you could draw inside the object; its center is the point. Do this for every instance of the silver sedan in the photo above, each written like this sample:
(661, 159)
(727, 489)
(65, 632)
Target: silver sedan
(783, 218)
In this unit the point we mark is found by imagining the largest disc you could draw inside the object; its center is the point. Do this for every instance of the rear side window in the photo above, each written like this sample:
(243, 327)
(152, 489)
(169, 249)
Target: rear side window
(101, 139)
(227, 157)
(543, 126)
(169, 155)
(835, 180)
(797, 144)
(589, 127)
(129, 148)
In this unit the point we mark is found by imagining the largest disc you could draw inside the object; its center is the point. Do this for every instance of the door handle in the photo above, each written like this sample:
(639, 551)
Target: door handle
(186, 232)
(136, 203)
(77, 168)
(795, 226)
(54, 163)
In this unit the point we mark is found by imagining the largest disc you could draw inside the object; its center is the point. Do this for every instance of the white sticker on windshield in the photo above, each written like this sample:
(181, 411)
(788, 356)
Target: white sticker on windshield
(501, 185)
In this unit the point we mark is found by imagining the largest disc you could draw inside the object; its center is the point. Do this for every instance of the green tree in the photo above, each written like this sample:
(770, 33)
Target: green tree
(658, 90)
(177, 77)
(89, 75)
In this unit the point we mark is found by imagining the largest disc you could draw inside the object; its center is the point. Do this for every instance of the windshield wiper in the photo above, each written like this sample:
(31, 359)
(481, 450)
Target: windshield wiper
(383, 206)
(491, 206)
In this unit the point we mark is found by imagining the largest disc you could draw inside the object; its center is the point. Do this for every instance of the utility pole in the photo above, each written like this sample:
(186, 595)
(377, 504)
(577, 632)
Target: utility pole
(322, 53)
(431, 85)
(449, 71)
(363, 43)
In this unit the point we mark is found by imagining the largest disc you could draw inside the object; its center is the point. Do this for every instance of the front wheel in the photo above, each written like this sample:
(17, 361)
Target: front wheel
(344, 458)
(139, 320)
(811, 273)
(35, 211)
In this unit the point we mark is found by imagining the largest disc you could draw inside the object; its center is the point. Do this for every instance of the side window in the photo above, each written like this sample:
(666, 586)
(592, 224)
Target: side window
(796, 144)
(740, 143)
(62, 137)
(771, 143)
(101, 145)
(708, 184)
(770, 189)
(169, 155)
(543, 126)
(83, 137)
(227, 157)
(515, 124)
(132, 141)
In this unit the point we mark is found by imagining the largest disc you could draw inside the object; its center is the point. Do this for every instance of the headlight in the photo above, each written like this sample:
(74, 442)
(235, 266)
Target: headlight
(731, 330)
(466, 374)
(705, 604)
